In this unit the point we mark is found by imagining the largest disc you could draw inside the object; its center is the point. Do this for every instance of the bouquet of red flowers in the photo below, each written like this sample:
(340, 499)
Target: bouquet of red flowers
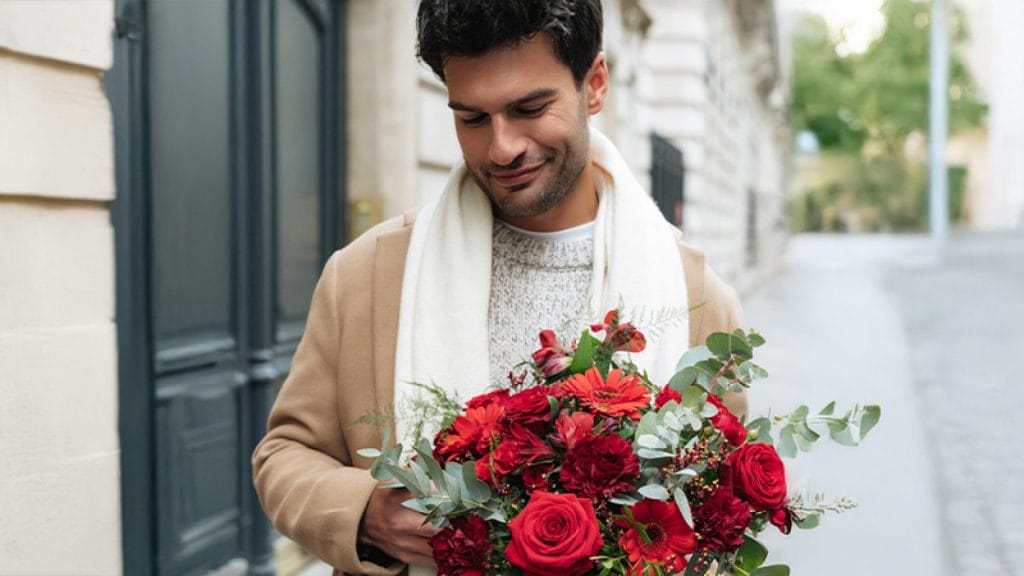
(585, 466)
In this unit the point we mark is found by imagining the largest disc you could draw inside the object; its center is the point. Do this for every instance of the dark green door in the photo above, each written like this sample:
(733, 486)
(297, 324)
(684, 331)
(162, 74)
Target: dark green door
(229, 201)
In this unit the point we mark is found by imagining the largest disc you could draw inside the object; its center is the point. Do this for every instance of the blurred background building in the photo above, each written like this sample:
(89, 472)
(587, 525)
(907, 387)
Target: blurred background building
(173, 173)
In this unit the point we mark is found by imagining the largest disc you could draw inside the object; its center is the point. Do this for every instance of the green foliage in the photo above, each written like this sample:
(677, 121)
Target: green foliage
(866, 106)
(798, 431)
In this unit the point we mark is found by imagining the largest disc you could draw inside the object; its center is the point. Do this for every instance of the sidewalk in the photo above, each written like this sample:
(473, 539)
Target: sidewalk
(835, 333)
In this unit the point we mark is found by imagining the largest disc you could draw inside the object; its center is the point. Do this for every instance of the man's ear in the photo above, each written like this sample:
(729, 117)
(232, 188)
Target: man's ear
(595, 84)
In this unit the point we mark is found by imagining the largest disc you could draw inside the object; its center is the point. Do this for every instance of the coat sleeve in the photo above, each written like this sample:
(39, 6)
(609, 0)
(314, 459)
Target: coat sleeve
(302, 469)
(714, 307)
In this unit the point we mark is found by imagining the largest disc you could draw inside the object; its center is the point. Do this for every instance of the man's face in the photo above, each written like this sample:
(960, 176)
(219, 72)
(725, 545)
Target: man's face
(521, 122)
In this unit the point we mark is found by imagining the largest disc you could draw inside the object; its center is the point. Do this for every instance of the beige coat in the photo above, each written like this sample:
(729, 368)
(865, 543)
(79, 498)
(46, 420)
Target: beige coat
(311, 482)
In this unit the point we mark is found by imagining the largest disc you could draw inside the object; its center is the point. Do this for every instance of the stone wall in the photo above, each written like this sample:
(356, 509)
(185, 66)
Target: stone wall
(58, 347)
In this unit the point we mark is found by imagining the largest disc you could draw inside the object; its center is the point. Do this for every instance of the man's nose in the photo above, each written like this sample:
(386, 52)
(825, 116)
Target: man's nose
(507, 143)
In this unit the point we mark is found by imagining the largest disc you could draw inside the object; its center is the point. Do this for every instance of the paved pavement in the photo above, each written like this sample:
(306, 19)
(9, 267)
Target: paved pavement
(934, 336)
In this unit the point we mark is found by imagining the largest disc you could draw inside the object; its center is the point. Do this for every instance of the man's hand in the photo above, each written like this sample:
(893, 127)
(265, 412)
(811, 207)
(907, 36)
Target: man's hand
(396, 530)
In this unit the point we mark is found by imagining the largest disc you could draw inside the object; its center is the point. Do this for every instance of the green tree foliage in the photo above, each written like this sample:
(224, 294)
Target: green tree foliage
(867, 105)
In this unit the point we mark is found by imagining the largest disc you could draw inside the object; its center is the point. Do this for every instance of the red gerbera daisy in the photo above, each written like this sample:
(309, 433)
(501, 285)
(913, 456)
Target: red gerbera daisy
(615, 396)
(664, 541)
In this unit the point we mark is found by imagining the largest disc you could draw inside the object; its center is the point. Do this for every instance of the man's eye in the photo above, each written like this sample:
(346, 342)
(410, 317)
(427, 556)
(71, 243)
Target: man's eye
(474, 120)
(531, 111)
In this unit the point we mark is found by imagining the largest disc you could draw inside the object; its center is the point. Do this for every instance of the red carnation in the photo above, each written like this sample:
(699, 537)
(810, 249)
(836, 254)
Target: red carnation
(758, 476)
(618, 395)
(720, 521)
(666, 540)
(600, 468)
(729, 424)
(463, 547)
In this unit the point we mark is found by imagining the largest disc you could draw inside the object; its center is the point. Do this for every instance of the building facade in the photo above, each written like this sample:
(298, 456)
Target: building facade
(174, 174)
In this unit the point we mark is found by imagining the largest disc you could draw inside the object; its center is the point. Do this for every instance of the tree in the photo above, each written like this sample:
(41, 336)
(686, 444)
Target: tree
(869, 104)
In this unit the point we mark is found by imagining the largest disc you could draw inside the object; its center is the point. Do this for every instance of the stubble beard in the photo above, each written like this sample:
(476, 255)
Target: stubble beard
(565, 175)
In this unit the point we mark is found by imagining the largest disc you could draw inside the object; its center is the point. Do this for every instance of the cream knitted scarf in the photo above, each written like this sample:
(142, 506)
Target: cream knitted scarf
(442, 327)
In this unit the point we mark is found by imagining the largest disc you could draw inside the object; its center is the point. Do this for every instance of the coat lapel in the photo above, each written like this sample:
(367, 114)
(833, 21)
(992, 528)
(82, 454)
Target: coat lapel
(388, 269)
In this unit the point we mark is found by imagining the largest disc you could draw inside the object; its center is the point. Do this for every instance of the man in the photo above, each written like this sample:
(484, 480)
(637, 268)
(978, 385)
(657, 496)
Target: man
(541, 226)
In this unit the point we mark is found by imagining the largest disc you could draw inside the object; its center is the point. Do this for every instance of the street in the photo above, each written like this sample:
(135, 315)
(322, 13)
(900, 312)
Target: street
(932, 336)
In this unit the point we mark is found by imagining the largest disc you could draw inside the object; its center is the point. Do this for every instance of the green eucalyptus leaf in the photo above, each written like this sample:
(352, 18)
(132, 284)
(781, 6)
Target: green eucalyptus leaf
(751, 554)
(408, 480)
(369, 452)
(651, 441)
(693, 396)
(683, 378)
(763, 427)
(806, 433)
(774, 570)
(844, 436)
(872, 414)
(424, 453)
(692, 356)
(787, 445)
(684, 505)
(800, 413)
(807, 522)
(648, 454)
(829, 409)
(476, 490)
(755, 339)
(417, 506)
(655, 492)
(648, 424)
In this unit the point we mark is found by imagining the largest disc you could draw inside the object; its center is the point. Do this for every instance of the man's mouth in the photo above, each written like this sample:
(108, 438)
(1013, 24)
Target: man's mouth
(517, 177)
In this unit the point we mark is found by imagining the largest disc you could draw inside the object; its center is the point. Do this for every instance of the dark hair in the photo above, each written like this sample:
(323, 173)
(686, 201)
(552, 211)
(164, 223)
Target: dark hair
(474, 27)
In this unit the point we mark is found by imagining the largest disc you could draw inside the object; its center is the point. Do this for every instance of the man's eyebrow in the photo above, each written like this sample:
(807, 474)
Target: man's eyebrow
(535, 95)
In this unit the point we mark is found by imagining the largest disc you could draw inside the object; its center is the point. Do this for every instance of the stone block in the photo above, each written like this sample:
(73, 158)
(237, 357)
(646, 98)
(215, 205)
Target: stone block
(73, 31)
(57, 263)
(57, 136)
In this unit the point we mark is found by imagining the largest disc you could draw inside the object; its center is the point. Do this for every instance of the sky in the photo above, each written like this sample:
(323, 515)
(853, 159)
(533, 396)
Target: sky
(857, 21)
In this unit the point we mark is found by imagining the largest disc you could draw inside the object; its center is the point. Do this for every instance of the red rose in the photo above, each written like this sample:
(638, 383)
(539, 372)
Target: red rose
(555, 535)
(758, 476)
(462, 548)
(720, 521)
(729, 424)
(666, 395)
(600, 468)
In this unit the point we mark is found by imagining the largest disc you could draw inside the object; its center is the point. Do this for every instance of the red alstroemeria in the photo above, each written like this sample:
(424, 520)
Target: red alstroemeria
(616, 396)
(498, 397)
(573, 429)
(519, 447)
(552, 358)
(666, 540)
(620, 337)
